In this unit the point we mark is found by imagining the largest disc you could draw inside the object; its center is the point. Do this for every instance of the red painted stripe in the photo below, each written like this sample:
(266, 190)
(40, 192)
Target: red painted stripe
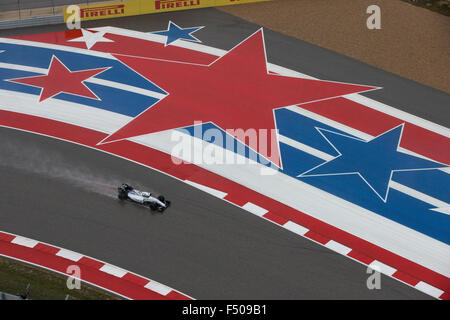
(124, 45)
(174, 295)
(360, 257)
(275, 218)
(349, 240)
(373, 122)
(59, 38)
(445, 296)
(44, 255)
(49, 127)
(46, 248)
(316, 237)
(405, 278)
(236, 198)
(6, 237)
(92, 263)
(162, 161)
(87, 273)
(136, 279)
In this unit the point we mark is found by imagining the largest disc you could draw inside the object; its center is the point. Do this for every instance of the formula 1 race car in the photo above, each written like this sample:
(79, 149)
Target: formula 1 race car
(127, 192)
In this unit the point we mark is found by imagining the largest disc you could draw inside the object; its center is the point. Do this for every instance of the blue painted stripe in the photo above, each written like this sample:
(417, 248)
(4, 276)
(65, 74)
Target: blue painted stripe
(301, 128)
(435, 183)
(41, 58)
(399, 207)
(112, 99)
(296, 161)
(225, 141)
(12, 74)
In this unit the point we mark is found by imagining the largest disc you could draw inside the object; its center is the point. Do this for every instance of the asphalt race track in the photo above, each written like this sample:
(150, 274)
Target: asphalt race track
(202, 246)
(65, 194)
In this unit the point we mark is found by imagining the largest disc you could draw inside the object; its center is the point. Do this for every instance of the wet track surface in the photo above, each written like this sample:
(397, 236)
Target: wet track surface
(65, 194)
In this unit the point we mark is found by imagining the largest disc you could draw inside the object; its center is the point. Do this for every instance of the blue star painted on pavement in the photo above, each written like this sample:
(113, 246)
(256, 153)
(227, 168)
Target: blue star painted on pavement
(374, 161)
(174, 33)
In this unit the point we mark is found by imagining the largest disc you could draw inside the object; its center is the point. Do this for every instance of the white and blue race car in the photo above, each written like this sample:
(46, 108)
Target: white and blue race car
(127, 192)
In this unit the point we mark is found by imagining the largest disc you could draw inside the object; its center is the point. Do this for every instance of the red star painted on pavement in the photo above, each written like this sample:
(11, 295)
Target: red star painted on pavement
(61, 79)
(234, 92)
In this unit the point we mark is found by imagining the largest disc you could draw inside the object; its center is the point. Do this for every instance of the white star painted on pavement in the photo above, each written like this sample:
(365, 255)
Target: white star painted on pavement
(91, 38)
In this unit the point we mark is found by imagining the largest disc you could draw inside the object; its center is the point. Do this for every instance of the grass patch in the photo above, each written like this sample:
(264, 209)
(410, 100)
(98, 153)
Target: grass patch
(44, 284)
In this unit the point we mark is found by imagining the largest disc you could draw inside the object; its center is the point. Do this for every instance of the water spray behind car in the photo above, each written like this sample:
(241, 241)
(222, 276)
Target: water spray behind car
(57, 165)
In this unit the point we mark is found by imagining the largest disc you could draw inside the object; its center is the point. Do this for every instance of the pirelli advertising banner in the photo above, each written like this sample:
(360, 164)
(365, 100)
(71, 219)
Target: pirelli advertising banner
(136, 7)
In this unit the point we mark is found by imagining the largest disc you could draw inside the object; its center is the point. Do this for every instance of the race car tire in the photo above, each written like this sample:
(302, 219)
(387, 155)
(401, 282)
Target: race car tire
(161, 198)
(122, 196)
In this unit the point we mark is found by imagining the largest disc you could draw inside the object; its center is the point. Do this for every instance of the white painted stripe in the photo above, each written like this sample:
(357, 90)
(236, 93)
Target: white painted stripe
(25, 242)
(445, 209)
(339, 248)
(395, 185)
(126, 87)
(103, 82)
(429, 289)
(214, 192)
(76, 257)
(412, 153)
(253, 208)
(381, 267)
(305, 148)
(376, 105)
(22, 68)
(446, 170)
(64, 111)
(69, 255)
(418, 195)
(329, 122)
(158, 287)
(348, 130)
(296, 228)
(115, 271)
(287, 72)
(57, 47)
(321, 205)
